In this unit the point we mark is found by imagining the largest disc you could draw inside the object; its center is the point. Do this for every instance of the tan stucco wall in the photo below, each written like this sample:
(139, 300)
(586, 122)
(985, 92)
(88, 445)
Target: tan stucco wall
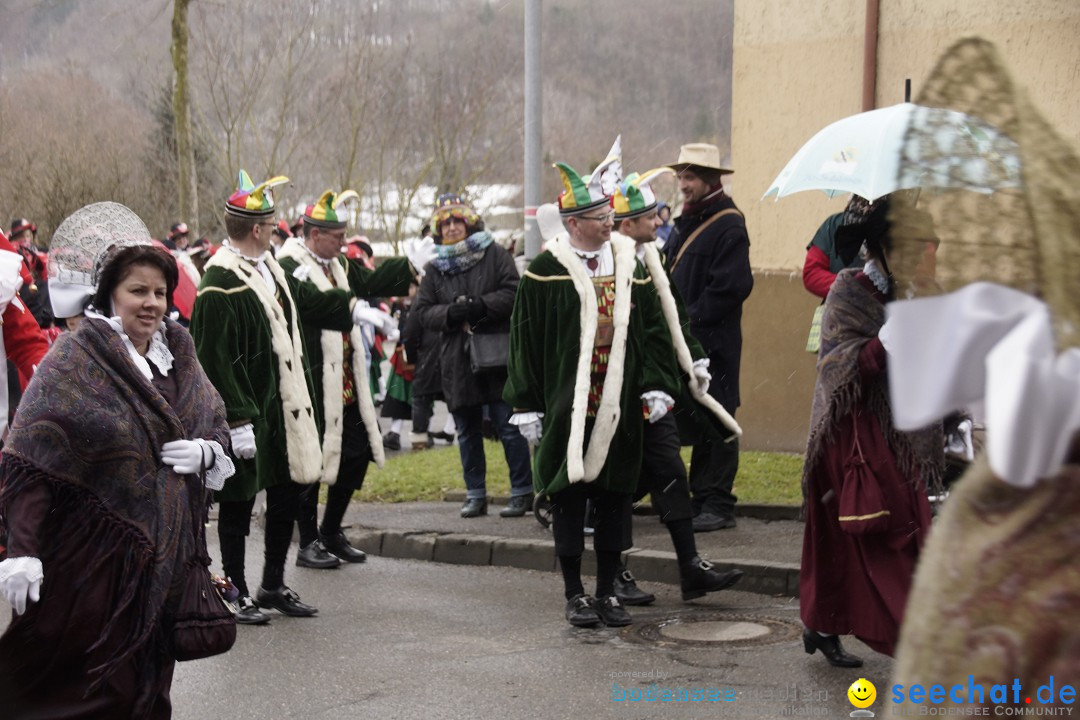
(798, 67)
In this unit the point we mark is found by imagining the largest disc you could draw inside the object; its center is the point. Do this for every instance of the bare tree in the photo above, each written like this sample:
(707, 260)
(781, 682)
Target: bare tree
(185, 148)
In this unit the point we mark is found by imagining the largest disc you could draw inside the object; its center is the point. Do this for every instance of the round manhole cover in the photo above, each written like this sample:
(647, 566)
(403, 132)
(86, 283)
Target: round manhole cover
(715, 629)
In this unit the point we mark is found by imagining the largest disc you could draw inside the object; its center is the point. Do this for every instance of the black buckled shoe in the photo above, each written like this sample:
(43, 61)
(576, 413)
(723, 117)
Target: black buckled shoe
(707, 522)
(580, 612)
(248, 613)
(474, 507)
(628, 592)
(285, 601)
(830, 647)
(611, 612)
(314, 555)
(700, 577)
(517, 506)
(339, 545)
(391, 441)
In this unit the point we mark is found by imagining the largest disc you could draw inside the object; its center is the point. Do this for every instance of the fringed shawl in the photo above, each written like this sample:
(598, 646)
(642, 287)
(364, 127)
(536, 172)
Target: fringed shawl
(91, 427)
(853, 316)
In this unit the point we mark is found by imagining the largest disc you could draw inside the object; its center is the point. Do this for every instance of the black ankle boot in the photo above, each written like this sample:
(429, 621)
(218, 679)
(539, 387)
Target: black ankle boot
(831, 648)
(474, 507)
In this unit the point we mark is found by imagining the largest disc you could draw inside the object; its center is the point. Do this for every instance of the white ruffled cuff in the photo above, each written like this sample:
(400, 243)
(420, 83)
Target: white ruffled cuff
(31, 566)
(222, 469)
(524, 418)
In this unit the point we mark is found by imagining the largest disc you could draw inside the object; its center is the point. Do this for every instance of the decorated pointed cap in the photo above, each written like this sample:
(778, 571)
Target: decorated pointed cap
(450, 205)
(327, 212)
(595, 189)
(634, 196)
(253, 201)
(80, 248)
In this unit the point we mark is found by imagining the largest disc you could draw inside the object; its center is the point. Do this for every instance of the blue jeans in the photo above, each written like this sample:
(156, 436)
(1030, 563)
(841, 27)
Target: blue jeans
(471, 446)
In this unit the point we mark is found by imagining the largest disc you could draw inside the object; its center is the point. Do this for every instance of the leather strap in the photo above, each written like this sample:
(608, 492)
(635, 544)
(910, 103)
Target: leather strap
(701, 228)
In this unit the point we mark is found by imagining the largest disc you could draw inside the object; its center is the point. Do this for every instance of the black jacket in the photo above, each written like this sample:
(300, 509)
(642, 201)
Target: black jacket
(714, 279)
(494, 280)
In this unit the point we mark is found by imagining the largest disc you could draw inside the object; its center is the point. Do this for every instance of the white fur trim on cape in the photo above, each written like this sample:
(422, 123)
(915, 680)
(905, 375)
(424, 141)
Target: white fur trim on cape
(333, 357)
(585, 465)
(682, 351)
(301, 434)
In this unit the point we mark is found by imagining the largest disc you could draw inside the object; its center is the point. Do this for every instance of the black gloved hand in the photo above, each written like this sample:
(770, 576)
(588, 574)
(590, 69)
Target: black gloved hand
(477, 310)
(456, 314)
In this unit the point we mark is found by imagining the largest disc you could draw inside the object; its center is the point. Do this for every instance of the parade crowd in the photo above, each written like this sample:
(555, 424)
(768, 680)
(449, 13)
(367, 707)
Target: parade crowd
(152, 379)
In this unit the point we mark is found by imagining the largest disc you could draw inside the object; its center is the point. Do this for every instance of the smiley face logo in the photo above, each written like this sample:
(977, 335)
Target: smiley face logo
(862, 693)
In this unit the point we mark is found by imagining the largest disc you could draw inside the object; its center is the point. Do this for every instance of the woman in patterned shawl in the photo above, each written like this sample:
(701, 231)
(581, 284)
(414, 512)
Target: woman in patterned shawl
(100, 489)
(857, 565)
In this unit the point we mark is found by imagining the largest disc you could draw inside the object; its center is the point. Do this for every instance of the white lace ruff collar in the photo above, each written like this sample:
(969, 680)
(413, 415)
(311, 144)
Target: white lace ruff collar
(158, 352)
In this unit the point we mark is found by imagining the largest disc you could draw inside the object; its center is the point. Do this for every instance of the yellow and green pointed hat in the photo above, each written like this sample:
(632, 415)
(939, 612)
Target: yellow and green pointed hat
(253, 201)
(326, 212)
(582, 194)
(634, 197)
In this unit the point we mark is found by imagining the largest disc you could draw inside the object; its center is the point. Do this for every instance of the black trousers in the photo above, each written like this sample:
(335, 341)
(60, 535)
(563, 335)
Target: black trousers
(234, 525)
(713, 465)
(611, 519)
(355, 457)
(663, 473)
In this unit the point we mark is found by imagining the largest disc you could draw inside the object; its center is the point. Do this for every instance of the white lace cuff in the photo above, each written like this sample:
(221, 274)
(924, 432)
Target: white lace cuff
(30, 566)
(524, 418)
(222, 469)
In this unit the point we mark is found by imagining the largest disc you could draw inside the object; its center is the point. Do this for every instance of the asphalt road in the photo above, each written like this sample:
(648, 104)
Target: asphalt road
(412, 639)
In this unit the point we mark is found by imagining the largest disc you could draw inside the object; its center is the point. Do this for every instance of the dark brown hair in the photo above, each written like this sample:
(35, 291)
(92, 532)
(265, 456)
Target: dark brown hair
(238, 228)
(119, 267)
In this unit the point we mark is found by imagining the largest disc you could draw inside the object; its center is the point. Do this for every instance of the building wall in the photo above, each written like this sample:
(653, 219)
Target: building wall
(797, 67)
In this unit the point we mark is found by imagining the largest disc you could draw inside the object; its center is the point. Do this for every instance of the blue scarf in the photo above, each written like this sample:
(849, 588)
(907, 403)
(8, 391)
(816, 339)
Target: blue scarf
(459, 257)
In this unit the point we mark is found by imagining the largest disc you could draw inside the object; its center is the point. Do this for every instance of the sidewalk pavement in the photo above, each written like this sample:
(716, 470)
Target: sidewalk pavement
(766, 545)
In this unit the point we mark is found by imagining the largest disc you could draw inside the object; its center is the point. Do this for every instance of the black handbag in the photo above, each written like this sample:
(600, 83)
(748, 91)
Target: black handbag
(204, 624)
(487, 351)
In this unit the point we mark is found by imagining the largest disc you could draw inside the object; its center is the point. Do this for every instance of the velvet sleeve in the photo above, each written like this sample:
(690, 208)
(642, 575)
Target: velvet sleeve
(218, 332)
(391, 278)
(328, 310)
(659, 370)
(872, 361)
(25, 514)
(523, 390)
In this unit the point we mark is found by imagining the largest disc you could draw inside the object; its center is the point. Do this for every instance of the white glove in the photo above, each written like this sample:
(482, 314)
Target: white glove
(187, 457)
(364, 314)
(420, 253)
(529, 425)
(658, 402)
(20, 579)
(701, 372)
(243, 441)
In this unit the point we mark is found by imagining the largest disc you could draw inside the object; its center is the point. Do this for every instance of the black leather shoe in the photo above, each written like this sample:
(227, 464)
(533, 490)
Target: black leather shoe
(611, 612)
(707, 522)
(314, 555)
(391, 441)
(628, 592)
(446, 437)
(699, 577)
(581, 613)
(339, 545)
(474, 507)
(248, 613)
(517, 506)
(285, 601)
(831, 648)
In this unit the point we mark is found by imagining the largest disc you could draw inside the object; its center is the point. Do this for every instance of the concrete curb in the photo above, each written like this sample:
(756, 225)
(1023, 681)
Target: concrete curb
(761, 512)
(776, 579)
